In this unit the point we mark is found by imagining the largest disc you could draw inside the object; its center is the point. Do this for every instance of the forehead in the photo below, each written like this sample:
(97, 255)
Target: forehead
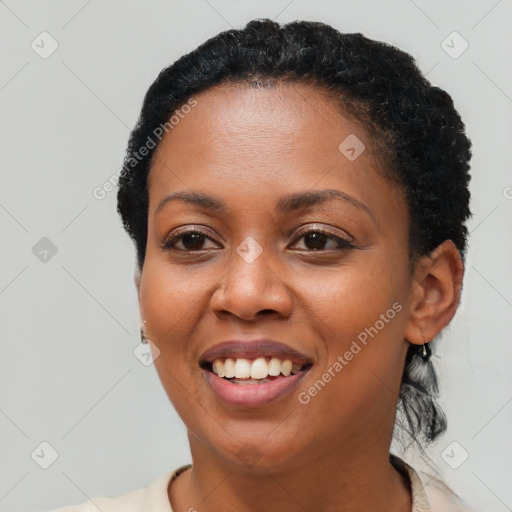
(232, 118)
(247, 141)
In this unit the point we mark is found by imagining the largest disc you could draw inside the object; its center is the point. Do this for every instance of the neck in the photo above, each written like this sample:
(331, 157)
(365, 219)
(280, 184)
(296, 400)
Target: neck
(335, 480)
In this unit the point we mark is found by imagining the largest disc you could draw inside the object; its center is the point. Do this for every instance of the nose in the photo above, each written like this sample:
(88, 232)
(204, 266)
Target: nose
(252, 288)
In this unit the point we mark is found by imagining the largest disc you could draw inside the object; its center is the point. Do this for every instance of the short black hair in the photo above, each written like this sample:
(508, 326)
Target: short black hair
(419, 135)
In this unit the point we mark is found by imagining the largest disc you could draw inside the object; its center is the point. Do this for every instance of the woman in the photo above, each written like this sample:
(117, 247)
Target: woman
(297, 198)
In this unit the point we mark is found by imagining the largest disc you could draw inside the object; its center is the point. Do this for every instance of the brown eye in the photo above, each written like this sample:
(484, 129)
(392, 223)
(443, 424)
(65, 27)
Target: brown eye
(192, 241)
(316, 240)
(187, 241)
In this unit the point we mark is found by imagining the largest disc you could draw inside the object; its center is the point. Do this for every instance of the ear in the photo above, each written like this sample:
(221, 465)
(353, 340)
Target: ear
(437, 285)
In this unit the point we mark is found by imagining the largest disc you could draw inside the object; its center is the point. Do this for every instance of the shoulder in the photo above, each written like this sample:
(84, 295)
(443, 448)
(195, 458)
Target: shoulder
(152, 498)
(429, 493)
(441, 497)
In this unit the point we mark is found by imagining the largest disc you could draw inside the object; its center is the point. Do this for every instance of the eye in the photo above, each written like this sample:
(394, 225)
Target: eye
(317, 238)
(187, 241)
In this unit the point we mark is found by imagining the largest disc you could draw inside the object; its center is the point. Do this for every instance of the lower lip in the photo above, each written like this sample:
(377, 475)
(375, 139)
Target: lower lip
(252, 395)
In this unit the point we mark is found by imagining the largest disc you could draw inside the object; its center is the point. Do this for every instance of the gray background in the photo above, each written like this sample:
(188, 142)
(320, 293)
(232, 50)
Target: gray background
(69, 324)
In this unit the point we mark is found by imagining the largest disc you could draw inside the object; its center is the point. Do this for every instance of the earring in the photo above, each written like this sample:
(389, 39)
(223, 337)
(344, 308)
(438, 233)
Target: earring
(143, 338)
(425, 352)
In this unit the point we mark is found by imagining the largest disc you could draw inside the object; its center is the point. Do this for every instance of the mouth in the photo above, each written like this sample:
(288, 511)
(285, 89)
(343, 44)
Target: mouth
(242, 371)
(253, 374)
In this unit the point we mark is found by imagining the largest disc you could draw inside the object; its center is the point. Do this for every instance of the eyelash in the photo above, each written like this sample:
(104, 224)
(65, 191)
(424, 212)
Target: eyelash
(342, 242)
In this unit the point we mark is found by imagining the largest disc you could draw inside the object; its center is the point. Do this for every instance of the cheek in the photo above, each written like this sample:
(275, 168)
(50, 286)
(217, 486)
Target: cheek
(360, 316)
(171, 298)
(352, 299)
(172, 302)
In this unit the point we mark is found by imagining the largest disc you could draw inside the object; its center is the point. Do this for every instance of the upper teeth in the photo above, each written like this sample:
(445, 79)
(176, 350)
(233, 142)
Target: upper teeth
(259, 368)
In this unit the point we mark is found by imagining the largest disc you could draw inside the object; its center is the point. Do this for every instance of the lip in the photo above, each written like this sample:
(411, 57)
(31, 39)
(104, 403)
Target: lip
(253, 395)
(251, 350)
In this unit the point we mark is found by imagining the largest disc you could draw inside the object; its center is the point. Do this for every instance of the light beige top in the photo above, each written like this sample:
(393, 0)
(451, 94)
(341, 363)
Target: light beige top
(426, 497)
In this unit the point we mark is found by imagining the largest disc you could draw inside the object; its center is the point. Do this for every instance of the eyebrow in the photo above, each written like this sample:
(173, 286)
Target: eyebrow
(285, 204)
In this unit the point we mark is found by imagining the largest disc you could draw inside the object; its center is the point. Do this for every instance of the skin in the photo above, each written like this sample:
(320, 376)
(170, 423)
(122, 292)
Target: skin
(248, 147)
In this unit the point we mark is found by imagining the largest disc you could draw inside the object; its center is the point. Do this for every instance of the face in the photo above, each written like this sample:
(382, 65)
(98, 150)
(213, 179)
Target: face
(298, 242)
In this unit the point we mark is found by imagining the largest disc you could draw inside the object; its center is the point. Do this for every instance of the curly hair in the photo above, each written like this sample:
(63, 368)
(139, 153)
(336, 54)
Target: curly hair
(417, 133)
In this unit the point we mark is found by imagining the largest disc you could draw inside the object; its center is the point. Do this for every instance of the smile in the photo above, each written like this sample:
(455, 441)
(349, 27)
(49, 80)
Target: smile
(245, 383)
(242, 370)
(253, 373)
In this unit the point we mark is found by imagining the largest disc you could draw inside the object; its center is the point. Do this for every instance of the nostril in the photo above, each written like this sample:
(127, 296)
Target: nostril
(267, 311)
